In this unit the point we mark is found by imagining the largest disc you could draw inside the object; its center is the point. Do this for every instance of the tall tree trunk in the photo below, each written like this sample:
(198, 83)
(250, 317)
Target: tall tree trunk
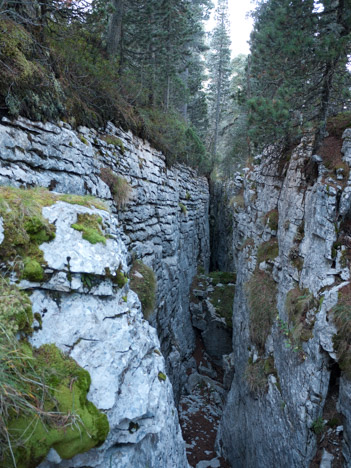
(114, 34)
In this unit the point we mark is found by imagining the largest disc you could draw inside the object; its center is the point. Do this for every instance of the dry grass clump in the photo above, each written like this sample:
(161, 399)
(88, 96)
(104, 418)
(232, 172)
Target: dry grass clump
(298, 304)
(342, 340)
(262, 291)
(120, 188)
(143, 282)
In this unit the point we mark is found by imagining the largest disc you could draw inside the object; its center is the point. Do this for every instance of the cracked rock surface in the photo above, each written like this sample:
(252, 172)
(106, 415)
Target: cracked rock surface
(170, 241)
(107, 335)
(294, 207)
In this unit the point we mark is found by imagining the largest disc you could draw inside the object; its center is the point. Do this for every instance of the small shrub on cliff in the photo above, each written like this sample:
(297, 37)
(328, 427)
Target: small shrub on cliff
(256, 375)
(262, 291)
(298, 304)
(120, 188)
(143, 282)
(341, 314)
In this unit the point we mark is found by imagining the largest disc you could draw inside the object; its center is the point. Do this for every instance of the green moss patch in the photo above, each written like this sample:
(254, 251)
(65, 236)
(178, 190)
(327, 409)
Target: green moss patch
(143, 282)
(120, 279)
(262, 291)
(42, 393)
(90, 226)
(32, 270)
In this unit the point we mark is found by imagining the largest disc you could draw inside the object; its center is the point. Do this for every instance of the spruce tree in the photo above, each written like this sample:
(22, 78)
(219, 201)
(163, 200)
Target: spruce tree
(219, 73)
(297, 51)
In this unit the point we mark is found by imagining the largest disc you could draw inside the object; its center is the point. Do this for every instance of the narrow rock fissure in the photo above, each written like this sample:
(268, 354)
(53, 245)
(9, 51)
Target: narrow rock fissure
(329, 427)
(210, 369)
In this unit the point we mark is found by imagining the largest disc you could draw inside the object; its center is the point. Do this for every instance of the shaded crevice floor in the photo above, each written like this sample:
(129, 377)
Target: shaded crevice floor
(200, 410)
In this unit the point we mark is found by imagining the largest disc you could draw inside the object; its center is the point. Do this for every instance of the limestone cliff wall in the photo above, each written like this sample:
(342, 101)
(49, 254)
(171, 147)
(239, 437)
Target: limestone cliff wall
(165, 223)
(83, 311)
(286, 219)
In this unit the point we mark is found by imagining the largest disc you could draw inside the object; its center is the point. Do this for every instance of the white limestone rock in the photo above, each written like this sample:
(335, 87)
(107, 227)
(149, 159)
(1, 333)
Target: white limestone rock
(108, 336)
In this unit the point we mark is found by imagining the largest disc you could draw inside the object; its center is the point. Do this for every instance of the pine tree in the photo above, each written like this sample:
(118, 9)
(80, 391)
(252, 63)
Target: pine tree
(296, 51)
(219, 72)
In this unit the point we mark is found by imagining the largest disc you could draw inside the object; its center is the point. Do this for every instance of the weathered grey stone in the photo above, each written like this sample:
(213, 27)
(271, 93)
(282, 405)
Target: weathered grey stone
(274, 428)
(327, 460)
(107, 335)
(170, 242)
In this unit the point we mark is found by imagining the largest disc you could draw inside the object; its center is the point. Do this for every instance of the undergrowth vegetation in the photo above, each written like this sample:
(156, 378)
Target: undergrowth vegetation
(261, 290)
(42, 393)
(143, 282)
(341, 314)
(66, 74)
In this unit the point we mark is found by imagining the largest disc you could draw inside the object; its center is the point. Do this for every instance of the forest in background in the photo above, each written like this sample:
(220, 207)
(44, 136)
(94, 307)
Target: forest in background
(151, 68)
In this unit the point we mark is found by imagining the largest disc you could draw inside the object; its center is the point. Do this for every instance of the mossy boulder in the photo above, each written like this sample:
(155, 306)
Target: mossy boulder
(43, 393)
(25, 228)
(70, 423)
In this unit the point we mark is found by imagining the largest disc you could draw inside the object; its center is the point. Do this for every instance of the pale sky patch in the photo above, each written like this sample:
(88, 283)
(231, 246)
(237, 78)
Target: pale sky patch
(240, 25)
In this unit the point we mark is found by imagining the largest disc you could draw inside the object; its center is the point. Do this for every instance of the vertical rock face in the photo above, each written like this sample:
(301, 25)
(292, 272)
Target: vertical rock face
(286, 221)
(165, 223)
(83, 307)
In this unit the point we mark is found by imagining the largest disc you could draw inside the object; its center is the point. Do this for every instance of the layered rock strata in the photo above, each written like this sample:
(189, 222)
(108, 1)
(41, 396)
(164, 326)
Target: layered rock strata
(165, 223)
(286, 221)
(83, 304)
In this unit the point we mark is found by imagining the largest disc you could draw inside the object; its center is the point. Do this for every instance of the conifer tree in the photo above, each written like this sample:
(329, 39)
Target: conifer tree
(297, 49)
(219, 72)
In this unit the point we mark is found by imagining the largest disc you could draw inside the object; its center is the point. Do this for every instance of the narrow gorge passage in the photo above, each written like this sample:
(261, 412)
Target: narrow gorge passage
(210, 368)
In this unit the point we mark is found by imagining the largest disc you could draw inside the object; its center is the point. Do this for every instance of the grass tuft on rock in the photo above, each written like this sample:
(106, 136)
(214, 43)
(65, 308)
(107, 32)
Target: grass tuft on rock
(298, 304)
(42, 393)
(341, 314)
(119, 187)
(262, 291)
(143, 282)
(267, 251)
(256, 375)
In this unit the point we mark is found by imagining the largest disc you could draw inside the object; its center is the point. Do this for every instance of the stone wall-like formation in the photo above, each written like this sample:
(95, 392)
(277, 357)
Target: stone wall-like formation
(286, 221)
(165, 223)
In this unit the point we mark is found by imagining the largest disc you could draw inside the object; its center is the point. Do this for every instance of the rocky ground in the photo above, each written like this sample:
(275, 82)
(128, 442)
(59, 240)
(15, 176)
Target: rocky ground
(201, 409)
